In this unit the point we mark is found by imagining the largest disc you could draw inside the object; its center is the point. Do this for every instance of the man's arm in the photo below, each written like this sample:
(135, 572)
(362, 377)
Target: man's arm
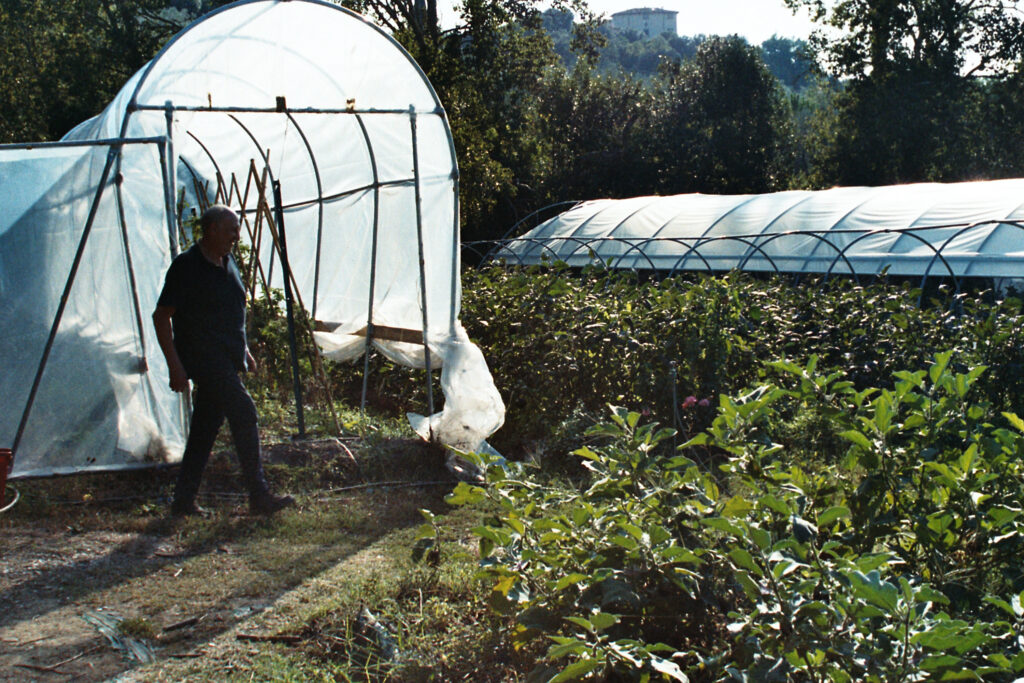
(165, 337)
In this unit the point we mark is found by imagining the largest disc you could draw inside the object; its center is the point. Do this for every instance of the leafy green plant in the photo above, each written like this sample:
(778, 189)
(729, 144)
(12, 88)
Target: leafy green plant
(599, 570)
(893, 559)
(562, 343)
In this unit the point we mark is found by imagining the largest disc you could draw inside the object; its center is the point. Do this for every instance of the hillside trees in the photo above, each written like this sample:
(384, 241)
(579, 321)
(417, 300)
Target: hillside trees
(633, 52)
(789, 60)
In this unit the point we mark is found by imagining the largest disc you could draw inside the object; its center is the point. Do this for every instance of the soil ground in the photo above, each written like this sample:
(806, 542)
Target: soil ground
(95, 577)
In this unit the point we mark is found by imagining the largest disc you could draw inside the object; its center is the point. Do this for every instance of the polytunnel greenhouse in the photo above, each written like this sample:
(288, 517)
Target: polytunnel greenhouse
(326, 136)
(926, 230)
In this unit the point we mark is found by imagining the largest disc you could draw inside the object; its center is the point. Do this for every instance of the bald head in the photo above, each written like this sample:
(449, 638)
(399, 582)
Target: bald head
(220, 231)
(215, 215)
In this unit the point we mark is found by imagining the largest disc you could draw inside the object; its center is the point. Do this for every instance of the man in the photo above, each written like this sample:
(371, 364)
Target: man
(200, 325)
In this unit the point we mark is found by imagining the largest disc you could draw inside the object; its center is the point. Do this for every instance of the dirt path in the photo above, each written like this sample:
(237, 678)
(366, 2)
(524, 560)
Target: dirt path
(88, 592)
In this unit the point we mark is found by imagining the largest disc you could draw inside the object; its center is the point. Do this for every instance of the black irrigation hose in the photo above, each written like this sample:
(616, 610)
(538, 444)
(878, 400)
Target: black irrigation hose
(386, 485)
(232, 496)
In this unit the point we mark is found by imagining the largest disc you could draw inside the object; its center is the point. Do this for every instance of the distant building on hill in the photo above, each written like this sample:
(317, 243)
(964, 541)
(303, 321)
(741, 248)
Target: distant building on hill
(651, 22)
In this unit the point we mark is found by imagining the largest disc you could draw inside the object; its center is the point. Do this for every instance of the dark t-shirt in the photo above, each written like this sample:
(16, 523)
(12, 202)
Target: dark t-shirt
(209, 314)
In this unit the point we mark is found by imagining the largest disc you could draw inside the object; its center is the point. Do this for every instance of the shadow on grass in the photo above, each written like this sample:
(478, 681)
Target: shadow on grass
(263, 546)
(228, 559)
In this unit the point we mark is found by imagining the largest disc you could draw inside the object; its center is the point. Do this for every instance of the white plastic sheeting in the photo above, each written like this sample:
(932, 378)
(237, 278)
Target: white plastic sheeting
(305, 91)
(473, 407)
(957, 229)
(94, 405)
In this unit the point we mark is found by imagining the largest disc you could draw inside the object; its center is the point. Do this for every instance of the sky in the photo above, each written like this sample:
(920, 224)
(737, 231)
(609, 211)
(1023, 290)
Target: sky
(755, 20)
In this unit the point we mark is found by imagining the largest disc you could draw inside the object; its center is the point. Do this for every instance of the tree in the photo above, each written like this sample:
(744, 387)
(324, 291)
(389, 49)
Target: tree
(914, 74)
(790, 61)
(900, 129)
(62, 61)
(1000, 134)
(556, 21)
(596, 131)
(489, 72)
(949, 37)
(724, 127)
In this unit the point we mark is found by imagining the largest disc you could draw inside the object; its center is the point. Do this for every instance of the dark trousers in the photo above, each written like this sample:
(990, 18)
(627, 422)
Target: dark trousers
(214, 399)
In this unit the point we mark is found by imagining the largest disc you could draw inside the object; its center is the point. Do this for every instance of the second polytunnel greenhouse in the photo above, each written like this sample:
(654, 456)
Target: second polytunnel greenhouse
(925, 230)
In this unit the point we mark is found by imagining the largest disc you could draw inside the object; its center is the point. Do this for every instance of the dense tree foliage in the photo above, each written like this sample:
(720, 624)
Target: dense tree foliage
(725, 123)
(920, 78)
(640, 56)
(552, 105)
(789, 61)
(62, 61)
(597, 130)
(950, 37)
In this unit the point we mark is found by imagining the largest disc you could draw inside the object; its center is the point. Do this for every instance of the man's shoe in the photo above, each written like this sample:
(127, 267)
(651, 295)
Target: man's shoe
(188, 509)
(268, 503)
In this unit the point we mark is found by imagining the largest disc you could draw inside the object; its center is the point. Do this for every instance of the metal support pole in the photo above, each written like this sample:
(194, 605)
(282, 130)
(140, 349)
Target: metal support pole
(373, 266)
(171, 184)
(319, 214)
(456, 257)
(423, 273)
(185, 404)
(286, 272)
(170, 170)
(119, 196)
(99, 142)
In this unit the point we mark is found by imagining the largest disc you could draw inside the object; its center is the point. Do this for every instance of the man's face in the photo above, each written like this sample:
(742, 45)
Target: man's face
(222, 236)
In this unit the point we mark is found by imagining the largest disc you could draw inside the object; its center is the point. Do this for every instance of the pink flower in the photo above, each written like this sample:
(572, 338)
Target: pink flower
(646, 412)
(704, 403)
(689, 402)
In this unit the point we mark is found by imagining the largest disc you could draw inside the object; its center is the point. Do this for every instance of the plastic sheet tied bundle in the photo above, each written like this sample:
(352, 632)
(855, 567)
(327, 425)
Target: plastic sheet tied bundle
(473, 408)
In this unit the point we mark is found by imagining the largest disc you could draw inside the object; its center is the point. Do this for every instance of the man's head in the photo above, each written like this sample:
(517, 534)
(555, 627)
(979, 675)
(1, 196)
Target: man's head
(221, 229)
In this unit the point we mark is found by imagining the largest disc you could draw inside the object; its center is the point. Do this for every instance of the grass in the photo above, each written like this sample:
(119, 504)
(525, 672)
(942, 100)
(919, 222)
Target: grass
(138, 627)
(430, 621)
(313, 572)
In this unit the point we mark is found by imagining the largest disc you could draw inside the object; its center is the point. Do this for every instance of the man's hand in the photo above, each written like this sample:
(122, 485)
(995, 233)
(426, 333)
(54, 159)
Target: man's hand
(164, 335)
(179, 378)
(250, 362)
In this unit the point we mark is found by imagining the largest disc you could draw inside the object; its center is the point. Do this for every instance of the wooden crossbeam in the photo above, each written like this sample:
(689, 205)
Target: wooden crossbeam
(398, 334)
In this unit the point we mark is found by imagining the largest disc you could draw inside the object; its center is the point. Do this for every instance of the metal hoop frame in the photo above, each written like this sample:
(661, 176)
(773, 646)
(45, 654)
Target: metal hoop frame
(522, 251)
